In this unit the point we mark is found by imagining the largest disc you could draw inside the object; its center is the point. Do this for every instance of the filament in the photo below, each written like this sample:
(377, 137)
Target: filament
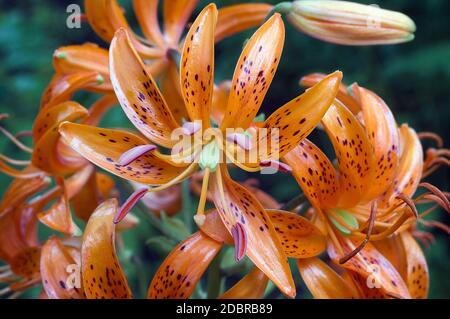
(13, 139)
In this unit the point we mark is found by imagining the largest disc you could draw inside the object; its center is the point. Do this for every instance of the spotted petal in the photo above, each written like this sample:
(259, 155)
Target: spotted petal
(26, 263)
(47, 154)
(237, 205)
(252, 286)
(137, 92)
(102, 275)
(56, 260)
(297, 118)
(354, 153)
(178, 275)
(417, 276)
(240, 17)
(299, 237)
(254, 72)
(315, 174)
(171, 89)
(369, 266)
(147, 15)
(197, 66)
(103, 147)
(382, 131)
(409, 171)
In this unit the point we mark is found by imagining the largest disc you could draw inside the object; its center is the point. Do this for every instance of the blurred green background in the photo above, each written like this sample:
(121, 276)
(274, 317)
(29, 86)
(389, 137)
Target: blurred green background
(413, 78)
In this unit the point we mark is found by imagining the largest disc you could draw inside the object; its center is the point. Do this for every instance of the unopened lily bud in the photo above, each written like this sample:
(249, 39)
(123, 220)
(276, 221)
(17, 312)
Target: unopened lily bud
(349, 23)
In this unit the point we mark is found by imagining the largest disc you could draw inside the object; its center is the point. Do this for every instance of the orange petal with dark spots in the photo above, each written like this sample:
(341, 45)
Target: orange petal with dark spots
(60, 270)
(83, 58)
(315, 174)
(26, 263)
(297, 118)
(254, 72)
(373, 271)
(47, 154)
(197, 66)
(353, 152)
(417, 275)
(322, 281)
(178, 275)
(220, 101)
(138, 93)
(102, 275)
(252, 286)
(264, 248)
(299, 237)
(214, 227)
(342, 94)
(381, 128)
(410, 168)
(103, 147)
(176, 14)
(240, 17)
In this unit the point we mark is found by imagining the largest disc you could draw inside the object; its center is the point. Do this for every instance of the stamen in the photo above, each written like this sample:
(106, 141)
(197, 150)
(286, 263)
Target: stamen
(436, 224)
(14, 161)
(190, 128)
(16, 173)
(408, 201)
(431, 136)
(425, 238)
(13, 139)
(241, 165)
(334, 239)
(23, 134)
(436, 191)
(200, 217)
(129, 204)
(239, 235)
(371, 221)
(282, 167)
(134, 153)
(243, 140)
(389, 231)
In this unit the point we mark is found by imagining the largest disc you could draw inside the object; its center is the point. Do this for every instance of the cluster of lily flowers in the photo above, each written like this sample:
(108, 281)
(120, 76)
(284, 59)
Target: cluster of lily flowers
(353, 228)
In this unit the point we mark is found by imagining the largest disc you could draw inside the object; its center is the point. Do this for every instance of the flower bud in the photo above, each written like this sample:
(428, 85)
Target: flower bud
(349, 23)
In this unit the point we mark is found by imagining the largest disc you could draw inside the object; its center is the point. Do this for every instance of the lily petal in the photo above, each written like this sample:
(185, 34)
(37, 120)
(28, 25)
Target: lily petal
(58, 216)
(178, 275)
(46, 154)
(171, 89)
(297, 118)
(103, 147)
(353, 152)
(410, 168)
(102, 275)
(418, 278)
(220, 101)
(299, 237)
(26, 263)
(252, 286)
(87, 57)
(322, 281)
(264, 248)
(315, 174)
(56, 259)
(62, 87)
(147, 15)
(137, 92)
(197, 66)
(176, 13)
(254, 72)
(369, 266)
(382, 131)
(342, 95)
(240, 17)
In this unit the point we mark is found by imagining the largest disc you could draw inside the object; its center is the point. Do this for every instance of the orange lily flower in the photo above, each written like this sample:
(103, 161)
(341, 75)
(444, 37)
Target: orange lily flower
(160, 50)
(369, 198)
(132, 157)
